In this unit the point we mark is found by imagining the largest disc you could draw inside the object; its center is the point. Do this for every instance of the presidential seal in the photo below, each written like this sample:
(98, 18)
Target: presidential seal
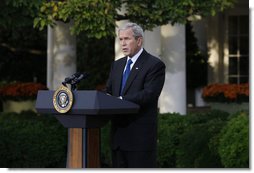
(63, 99)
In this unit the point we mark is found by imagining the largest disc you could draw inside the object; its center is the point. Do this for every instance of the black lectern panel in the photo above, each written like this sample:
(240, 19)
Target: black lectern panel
(87, 103)
(90, 109)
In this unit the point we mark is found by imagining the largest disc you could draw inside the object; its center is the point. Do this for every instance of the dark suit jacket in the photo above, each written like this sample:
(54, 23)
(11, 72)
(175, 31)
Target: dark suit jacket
(137, 132)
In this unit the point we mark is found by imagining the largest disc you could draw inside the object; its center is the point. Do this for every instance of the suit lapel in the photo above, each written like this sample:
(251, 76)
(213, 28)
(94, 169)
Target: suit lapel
(135, 70)
(119, 75)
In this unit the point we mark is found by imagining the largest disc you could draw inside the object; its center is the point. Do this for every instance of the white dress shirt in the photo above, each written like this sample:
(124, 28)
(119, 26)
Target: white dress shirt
(134, 58)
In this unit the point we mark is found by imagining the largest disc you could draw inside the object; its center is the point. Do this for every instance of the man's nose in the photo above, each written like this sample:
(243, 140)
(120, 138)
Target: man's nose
(123, 42)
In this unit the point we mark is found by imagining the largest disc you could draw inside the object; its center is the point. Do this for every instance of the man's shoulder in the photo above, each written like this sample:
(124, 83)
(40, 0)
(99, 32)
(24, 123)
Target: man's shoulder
(152, 58)
(119, 62)
(122, 59)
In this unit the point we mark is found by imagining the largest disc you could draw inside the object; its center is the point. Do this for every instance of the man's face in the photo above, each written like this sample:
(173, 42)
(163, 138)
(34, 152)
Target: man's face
(130, 45)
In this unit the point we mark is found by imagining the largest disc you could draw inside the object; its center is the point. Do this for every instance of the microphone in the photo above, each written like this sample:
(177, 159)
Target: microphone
(69, 79)
(75, 78)
(79, 77)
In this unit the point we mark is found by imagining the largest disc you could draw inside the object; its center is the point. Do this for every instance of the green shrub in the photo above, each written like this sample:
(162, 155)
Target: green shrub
(194, 151)
(197, 147)
(170, 128)
(234, 142)
(31, 141)
(199, 118)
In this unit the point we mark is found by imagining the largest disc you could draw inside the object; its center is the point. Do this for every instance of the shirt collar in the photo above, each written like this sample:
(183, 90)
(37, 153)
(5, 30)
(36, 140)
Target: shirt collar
(135, 57)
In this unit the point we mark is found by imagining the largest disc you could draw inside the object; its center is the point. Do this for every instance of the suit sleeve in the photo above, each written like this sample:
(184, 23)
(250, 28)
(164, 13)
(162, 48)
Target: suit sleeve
(109, 81)
(152, 85)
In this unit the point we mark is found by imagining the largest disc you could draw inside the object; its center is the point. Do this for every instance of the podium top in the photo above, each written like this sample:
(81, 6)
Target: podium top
(87, 102)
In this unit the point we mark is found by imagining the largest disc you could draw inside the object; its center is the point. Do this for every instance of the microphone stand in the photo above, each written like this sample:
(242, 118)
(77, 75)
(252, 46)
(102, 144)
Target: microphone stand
(73, 86)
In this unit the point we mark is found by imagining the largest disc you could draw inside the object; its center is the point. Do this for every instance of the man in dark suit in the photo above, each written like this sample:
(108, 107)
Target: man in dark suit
(140, 81)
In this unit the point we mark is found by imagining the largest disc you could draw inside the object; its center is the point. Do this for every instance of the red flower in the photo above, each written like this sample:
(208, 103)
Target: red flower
(226, 92)
(21, 91)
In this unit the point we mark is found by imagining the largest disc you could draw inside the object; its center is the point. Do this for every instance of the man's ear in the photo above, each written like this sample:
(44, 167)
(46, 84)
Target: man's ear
(140, 41)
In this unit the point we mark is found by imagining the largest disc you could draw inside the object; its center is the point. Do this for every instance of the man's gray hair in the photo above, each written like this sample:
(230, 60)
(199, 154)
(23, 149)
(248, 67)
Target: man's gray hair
(137, 30)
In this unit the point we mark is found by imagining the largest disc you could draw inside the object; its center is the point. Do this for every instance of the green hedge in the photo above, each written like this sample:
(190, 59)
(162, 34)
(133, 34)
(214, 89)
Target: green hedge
(186, 141)
(205, 140)
(31, 141)
(171, 127)
(234, 142)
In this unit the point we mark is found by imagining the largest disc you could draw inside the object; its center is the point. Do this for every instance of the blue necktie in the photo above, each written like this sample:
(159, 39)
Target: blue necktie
(126, 74)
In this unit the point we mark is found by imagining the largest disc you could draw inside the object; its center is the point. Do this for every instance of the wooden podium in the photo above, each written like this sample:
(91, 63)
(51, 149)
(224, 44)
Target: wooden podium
(90, 111)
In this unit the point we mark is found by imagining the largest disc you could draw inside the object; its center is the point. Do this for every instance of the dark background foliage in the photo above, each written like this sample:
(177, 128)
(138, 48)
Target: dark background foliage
(196, 62)
(22, 48)
(23, 57)
(28, 62)
(95, 57)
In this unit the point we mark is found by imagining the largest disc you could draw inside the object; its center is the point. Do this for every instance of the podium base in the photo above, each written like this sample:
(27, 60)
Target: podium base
(83, 148)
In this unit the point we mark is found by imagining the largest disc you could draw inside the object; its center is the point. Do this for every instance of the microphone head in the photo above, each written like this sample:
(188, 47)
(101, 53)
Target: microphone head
(77, 74)
(75, 78)
(80, 77)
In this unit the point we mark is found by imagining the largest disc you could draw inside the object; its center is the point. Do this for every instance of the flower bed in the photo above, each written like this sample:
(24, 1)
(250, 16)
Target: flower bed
(227, 97)
(18, 97)
(226, 93)
(21, 91)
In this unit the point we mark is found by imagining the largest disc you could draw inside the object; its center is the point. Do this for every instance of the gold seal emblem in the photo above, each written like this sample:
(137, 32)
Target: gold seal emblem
(63, 99)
